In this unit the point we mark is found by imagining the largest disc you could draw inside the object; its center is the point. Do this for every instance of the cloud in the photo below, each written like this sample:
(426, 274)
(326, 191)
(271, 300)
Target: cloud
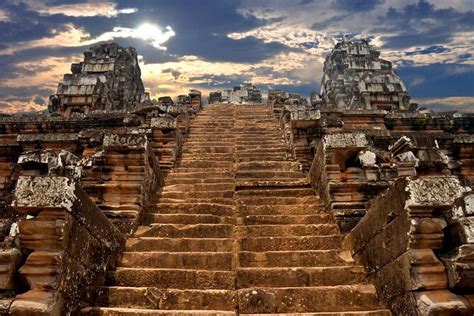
(152, 33)
(87, 9)
(423, 23)
(4, 16)
(461, 104)
(435, 49)
(215, 44)
(72, 36)
(356, 5)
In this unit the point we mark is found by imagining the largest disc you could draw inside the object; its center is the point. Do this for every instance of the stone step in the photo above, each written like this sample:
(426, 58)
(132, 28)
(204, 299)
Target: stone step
(187, 173)
(263, 143)
(210, 157)
(273, 210)
(286, 230)
(218, 172)
(294, 258)
(196, 194)
(378, 312)
(299, 276)
(295, 243)
(284, 220)
(256, 148)
(227, 201)
(268, 175)
(185, 231)
(211, 143)
(207, 164)
(183, 180)
(199, 187)
(276, 200)
(342, 298)
(208, 150)
(258, 153)
(172, 278)
(186, 218)
(268, 157)
(243, 184)
(268, 165)
(179, 244)
(193, 208)
(123, 311)
(180, 260)
(277, 192)
(239, 135)
(167, 299)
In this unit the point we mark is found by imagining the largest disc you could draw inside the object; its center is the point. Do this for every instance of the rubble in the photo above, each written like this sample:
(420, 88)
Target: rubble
(243, 94)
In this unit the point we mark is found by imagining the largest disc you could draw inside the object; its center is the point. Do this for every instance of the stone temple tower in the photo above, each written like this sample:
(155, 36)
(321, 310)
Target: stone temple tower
(108, 79)
(356, 78)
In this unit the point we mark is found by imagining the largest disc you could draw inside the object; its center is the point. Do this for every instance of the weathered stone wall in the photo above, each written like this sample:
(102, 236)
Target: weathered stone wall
(121, 176)
(112, 156)
(398, 241)
(71, 245)
(458, 249)
(397, 145)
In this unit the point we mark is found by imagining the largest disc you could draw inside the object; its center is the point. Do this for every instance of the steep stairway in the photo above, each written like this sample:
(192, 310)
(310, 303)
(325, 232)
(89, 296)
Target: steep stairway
(289, 250)
(237, 229)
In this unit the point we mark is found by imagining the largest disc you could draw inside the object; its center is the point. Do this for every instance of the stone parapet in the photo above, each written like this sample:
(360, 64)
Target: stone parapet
(71, 245)
(398, 241)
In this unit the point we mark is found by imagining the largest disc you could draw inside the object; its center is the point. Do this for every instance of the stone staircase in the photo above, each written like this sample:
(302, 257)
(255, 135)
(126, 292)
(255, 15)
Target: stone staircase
(237, 230)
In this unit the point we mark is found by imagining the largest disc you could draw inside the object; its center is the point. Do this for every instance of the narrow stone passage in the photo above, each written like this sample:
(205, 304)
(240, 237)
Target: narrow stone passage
(237, 230)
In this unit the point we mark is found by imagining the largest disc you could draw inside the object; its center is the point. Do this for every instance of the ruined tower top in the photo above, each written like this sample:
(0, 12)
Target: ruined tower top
(109, 79)
(355, 77)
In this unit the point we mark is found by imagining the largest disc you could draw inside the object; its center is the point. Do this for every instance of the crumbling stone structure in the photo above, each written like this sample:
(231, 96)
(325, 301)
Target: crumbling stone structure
(243, 94)
(109, 79)
(350, 205)
(83, 181)
(367, 160)
(356, 78)
(416, 242)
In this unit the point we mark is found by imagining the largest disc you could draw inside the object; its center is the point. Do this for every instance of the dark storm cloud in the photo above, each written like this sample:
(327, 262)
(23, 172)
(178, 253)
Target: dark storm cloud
(439, 80)
(175, 73)
(435, 49)
(422, 23)
(222, 48)
(356, 5)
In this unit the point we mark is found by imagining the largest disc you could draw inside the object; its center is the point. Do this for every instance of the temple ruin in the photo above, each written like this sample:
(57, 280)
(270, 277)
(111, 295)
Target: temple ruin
(108, 79)
(355, 77)
(243, 94)
(355, 203)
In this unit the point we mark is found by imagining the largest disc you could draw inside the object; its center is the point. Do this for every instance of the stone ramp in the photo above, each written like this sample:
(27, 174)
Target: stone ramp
(237, 230)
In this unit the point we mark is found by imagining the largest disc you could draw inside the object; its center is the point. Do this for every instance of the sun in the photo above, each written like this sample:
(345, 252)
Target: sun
(154, 33)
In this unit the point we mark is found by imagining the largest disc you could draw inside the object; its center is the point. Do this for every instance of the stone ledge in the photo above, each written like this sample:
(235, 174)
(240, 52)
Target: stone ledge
(57, 137)
(44, 192)
(344, 140)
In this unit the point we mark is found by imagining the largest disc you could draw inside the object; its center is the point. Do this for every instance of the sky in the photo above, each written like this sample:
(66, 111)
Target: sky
(214, 44)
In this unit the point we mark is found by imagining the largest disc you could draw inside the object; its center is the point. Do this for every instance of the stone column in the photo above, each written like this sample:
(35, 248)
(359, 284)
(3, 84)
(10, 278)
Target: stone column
(71, 243)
